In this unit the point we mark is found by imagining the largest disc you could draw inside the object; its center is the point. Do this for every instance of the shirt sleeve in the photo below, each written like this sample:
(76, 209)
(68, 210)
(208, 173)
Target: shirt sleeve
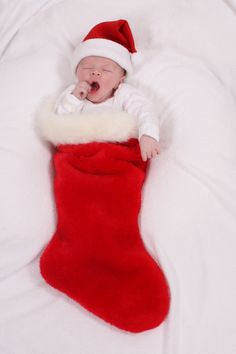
(134, 102)
(68, 103)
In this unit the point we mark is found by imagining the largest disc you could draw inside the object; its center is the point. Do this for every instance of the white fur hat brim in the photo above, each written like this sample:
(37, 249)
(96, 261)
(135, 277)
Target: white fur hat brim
(103, 48)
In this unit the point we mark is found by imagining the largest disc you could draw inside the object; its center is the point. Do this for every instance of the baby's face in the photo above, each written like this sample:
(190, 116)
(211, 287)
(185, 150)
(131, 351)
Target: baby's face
(103, 74)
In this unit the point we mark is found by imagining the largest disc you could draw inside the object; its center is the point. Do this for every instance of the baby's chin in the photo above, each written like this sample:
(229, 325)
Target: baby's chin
(97, 97)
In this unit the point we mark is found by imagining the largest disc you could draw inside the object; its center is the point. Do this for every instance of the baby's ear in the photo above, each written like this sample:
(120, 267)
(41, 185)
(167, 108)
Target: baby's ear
(123, 78)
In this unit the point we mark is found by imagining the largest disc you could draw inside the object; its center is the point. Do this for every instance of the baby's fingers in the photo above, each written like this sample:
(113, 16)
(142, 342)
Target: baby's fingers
(82, 94)
(155, 152)
(144, 155)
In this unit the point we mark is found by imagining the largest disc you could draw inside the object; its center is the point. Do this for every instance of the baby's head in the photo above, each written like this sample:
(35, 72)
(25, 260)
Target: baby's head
(103, 75)
(108, 45)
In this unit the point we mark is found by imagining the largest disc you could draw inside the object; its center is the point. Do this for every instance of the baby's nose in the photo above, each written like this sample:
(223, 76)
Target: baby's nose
(96, 73)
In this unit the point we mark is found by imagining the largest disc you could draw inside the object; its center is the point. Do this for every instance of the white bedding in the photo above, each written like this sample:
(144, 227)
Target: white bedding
(188, 218)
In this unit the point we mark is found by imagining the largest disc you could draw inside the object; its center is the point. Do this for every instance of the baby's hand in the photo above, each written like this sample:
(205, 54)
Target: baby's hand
(149, 147)
(81, 90)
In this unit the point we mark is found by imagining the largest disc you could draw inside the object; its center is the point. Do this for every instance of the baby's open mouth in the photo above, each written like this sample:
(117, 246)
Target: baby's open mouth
(95, 86)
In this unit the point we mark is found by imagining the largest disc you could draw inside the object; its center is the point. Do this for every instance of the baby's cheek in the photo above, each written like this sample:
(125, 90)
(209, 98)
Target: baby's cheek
(81, 75)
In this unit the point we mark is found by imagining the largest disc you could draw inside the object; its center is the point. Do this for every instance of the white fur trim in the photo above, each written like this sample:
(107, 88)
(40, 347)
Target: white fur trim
(103, 48)
(77, 128)
(137, 59)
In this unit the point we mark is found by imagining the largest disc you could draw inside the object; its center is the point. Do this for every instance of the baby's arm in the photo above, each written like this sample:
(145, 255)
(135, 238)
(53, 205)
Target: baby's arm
(71, 100)
(135, 103)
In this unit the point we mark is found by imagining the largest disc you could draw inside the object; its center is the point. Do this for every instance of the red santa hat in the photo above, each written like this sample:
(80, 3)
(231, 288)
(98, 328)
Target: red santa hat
(113, 40)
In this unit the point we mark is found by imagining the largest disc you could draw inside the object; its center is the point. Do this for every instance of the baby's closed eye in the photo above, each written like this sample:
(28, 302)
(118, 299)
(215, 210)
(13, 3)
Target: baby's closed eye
(107, 69)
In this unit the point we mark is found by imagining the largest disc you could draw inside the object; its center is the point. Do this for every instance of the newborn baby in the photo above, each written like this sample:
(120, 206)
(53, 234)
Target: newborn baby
(100, 85)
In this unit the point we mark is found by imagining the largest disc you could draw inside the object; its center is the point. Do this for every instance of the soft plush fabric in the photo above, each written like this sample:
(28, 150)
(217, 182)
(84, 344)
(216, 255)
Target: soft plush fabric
(96, 255)
(77, 128)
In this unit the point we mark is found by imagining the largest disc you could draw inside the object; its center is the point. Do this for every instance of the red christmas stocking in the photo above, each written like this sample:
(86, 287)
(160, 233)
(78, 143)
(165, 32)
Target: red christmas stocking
(96, 255)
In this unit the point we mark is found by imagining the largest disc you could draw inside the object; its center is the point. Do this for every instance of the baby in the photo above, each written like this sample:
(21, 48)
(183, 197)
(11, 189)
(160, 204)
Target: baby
(96, 255)
(100, 64)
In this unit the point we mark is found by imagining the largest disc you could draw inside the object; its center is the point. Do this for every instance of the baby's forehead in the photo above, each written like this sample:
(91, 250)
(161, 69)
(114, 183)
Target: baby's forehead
(99, 60)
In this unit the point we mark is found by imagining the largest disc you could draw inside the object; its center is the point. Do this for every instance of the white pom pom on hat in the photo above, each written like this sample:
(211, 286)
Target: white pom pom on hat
(113, 40)
(137, 59)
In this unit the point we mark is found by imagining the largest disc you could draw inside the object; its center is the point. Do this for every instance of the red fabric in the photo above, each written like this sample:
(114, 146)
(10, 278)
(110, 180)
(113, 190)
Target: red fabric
(96, 255)
(116, 31)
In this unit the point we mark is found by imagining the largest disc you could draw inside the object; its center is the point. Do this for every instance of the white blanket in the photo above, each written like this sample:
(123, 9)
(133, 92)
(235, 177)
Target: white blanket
(188, 218)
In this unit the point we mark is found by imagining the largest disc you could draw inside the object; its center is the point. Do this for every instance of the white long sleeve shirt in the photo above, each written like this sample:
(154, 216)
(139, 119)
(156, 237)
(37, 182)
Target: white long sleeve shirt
(126, 98)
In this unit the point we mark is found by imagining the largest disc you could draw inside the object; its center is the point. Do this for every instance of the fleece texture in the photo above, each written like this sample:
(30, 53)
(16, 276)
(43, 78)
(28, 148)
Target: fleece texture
(96, 255)
(104, 126)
